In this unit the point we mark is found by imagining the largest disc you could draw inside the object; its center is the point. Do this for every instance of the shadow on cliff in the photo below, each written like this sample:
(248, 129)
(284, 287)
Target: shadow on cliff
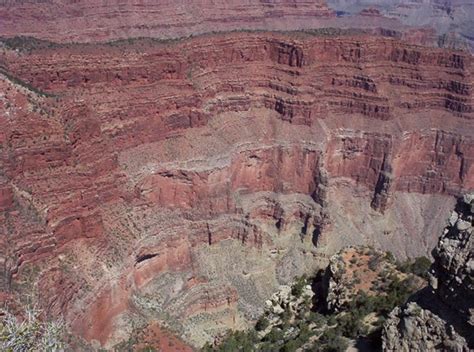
(427, 299)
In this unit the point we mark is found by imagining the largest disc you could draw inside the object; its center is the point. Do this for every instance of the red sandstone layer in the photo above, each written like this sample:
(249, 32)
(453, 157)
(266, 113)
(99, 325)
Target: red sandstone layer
(90, 20)
(141, 156)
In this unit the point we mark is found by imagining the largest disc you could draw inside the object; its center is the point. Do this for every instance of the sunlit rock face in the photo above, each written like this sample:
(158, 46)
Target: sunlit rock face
(185, 181)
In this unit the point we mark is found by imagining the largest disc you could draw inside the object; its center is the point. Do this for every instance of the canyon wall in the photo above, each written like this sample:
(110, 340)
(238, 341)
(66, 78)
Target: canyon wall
(136, 177)
(89, 20)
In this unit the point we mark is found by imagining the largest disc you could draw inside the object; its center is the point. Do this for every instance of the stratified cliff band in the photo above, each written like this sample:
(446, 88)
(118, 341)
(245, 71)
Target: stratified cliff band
(137, 176)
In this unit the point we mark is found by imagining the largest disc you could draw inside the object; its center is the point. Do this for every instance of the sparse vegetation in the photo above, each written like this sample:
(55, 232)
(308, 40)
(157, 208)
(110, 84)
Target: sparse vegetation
(262, 323)
(30, 333)
(24, 84)
(361, 316)
(298, 286)
(148, 349)
(27, 44)
(418, 266)
(235, 341)
(389, 257)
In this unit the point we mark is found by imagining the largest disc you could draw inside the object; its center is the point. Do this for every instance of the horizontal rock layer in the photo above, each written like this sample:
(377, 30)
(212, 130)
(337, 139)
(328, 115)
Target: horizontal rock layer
(132, 173)
(88, 20)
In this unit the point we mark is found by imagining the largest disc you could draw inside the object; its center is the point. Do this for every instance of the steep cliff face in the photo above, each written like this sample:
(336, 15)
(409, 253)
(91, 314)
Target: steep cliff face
(88, 20)
(441, 318)
(136, 177)
(452, 276)
(436, 23)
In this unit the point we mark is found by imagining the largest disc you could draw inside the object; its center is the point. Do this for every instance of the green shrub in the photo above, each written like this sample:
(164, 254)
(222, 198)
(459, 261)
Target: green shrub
(291, 346)
(148, 349)
(390, 257)
(238, 341)
(337, 344)
(286, 316)
(317, 318)
(207, 348)
(275, 335)
(374, 261)
(262, 323)
(419, 266)
(331, 341)
(298, 287)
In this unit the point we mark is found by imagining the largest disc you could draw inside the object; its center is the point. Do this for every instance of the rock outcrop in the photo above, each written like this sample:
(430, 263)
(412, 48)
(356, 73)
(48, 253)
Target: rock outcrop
(356, 270)
(453, 269)
(441, 318)
(287, 300)
(412, 328)
(136, 177)
(342, 280)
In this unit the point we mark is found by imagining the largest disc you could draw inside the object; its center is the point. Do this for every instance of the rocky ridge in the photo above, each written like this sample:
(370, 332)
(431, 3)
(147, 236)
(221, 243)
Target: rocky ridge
(287, 298)
(358, 269)
(441, 317)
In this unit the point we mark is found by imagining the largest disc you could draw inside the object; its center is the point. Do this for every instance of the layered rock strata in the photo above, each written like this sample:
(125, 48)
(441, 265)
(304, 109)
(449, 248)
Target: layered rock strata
(429, 23)
(88, 20)
(136, 177)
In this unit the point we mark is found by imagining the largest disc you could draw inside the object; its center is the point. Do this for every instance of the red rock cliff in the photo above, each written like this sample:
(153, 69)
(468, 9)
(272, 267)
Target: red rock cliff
(90, 20)
(126, 168)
